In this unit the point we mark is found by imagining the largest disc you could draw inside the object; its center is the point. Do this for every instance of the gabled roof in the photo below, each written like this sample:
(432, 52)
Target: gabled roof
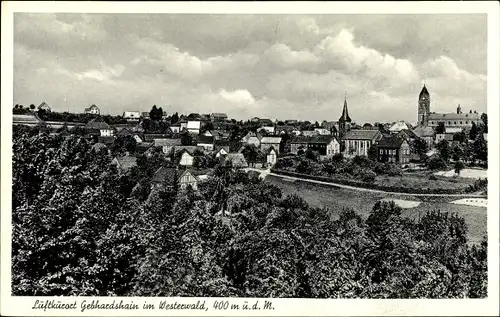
(99, 146)
(398, 126)
(325, 139)
(153, 136)
(126, 162)
(125, 131)
(203, 139)
(192, 124)
(96, 124)
(188, 148)
(424, 131)
(299, 139)
(218, 148)
(167, 175)
(26, 118)
(362, 135)
(407, 133)
(238, 159)
(391, 142)
(219, 115)
(43, 104)
(270, 140)
(167, 142)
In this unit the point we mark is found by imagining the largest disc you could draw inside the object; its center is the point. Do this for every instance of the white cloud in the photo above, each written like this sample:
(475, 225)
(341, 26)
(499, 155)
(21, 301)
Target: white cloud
(284, 57)
(239, 97)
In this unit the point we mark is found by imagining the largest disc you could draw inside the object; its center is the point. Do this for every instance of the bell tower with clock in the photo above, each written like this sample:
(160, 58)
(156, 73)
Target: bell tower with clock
(424, 107)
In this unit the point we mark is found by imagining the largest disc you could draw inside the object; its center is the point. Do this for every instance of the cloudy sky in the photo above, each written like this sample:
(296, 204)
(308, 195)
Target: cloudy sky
(275, 66)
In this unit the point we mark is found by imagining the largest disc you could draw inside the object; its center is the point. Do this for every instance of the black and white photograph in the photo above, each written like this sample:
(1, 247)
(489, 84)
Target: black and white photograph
(249, 155)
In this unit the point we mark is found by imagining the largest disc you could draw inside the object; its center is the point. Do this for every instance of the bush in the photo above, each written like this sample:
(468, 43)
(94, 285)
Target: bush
(433, 177)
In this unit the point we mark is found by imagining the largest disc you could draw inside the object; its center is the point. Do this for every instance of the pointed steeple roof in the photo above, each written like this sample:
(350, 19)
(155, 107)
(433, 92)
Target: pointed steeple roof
(345, 114)
(423, 92)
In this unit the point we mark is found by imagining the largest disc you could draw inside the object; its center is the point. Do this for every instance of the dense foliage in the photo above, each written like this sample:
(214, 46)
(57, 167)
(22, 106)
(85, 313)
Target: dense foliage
(82, 227)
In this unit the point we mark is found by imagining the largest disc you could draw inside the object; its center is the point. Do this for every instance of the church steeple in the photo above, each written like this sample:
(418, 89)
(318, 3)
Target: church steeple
(345, 113)
(424, 106)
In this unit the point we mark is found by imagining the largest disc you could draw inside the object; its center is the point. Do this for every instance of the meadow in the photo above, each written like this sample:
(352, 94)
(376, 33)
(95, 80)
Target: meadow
(362, 202)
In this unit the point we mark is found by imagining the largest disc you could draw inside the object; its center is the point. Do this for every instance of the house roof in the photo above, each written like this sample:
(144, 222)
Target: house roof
(219, 114)
(43, 104)
(265, 121)
(153, 136)
(270, 140)
(95, 124)
(188, 148)
(218, 148)
(398, 126)
(26, 118)
(408, 133)
(203, 139)
(453, 116)
(424, 131)
(193, 125)
(126, 162)
(325, 139)
(452, 130)
(99, 146)
(167, 142)
(362, 135)
(124, 131)
(309, 133)
(167, 175)
(299, 139)
(391, 142)
(238, 159)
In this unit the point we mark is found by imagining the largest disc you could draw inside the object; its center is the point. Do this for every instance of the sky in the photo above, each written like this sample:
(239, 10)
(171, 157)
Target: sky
(269, 66)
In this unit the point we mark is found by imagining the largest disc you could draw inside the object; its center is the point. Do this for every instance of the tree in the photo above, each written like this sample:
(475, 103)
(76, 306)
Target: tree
(484, 118)
(459, 166)
(457, 152)
(480, 149)
(186, 139)
(440, 129)
(460, 137)
(156, 114)
(32, 106)
(373, 153)
(444, 150)
(436, 162)
(420, 147)
(174, 118)
(473, 131)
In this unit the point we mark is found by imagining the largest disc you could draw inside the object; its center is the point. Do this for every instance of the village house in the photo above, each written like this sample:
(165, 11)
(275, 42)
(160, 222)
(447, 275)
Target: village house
(208, 133)
(252, 138)
(186, 158)
(236, 159)
(292, 122)
(271, 156)
(255, 120)
(443, 136)
(307, 133)
(425, 133)
(44, 106)
(97, 127)
(108, 140)
(175, 127)
(357, 142)
(125, 163)
(221, 150)
(94, 110)
(193, 127)
(216, 117)
(325, 145)
(269, 141)
(150, 137)
(322, 131)
(268, 130)
(266, 122)
(167, 145)
(207, 142)
(392, 149)
(399, 126)
(171, 177)
(145, 115)
(298, 143)
(131, 116)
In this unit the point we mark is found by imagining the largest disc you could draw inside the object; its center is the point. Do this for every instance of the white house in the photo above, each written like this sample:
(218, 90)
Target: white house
(267, 142)
(193, 126)
(167, 144)
(107, 132)
(269, 130)
(132, 115)
(222, 151)
(92, 110)
(175, 128)
(186, 159)
(322, 131)
(272, 156)
(188, 178)
(252, 138)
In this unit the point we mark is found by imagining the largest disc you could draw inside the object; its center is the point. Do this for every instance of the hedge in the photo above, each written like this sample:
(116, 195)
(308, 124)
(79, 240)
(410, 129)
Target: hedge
(393, 189)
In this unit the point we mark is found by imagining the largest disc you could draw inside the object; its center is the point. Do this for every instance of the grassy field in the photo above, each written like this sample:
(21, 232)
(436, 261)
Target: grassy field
(362, 202)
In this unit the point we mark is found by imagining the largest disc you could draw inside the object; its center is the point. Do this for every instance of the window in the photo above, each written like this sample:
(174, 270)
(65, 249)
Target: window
(461, 122)
(381, 151)
(455, 123)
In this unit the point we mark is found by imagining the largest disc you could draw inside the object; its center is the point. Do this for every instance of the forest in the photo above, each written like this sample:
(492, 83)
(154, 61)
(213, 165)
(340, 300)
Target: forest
(83, 227)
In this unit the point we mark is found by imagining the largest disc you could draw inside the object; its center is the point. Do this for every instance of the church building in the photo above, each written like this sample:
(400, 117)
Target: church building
(426, 118)
(344, 120)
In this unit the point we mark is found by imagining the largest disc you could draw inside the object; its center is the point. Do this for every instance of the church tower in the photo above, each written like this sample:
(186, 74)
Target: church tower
(424, 107)
(344, 120)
